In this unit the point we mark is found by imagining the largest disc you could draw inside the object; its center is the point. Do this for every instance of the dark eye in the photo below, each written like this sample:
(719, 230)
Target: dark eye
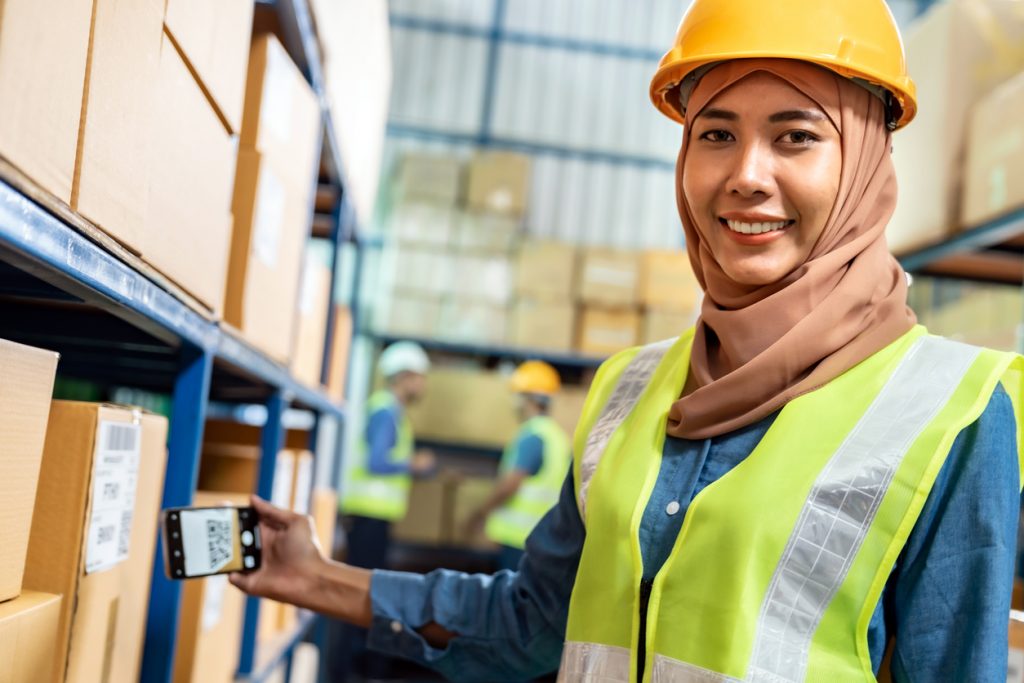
(799, 137)
(717, 136)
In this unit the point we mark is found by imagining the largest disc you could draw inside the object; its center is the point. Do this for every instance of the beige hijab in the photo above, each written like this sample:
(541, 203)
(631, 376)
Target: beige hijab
(758, 347)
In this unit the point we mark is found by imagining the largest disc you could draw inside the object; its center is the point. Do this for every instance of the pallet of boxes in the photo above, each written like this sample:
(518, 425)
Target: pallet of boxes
(454, 231)
(80, 489)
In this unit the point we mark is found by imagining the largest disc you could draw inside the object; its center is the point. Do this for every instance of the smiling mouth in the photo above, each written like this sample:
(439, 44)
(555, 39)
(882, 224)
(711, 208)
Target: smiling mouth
(755, 228)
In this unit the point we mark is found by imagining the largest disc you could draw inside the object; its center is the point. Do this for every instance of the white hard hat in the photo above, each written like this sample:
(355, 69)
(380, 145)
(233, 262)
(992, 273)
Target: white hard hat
(403, 356)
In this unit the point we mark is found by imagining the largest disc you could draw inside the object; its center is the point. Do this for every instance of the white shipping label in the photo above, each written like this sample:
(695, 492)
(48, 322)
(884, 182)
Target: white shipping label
(276, 104)
(213, 600)
(269, 223)
(281, 493)
(114, 479)
(303, 485)
(307, 293)
(611, 276)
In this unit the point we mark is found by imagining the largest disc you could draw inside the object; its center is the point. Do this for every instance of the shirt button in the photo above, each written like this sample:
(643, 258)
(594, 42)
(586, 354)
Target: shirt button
(672, 508)
(396, 626)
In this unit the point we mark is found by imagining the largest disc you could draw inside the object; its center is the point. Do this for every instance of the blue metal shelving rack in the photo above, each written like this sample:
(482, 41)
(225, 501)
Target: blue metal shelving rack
(112, 324)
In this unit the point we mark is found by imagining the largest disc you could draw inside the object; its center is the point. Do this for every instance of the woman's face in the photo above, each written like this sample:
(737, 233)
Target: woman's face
(761, 176)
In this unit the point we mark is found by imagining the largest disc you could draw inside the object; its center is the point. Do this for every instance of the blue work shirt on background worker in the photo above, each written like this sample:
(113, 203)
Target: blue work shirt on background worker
(514, 622)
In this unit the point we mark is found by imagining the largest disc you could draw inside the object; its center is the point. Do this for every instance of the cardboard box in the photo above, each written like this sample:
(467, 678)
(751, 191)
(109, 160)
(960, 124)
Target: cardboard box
(409, 316)
(1015, 668)
(472, 322)
(100, 477)
(311, 328)
(487, 233)
(28, 631)
(539, 325)
(435, 178)
(113, 173)
(272, 221)
(567, 407)
(483, 278)
(214, 37)
(994, 181)
(325, 515)
(603, 332)
(608, 277)
(282, 114)
(341, 343)
(44, 46)
(667, 282)
(212, 616)
(25, 392)
(423, 271)
(956, 53)
(232, 468)
(463, 406)
(423, 224)
(137, 570)
(661, 325)
(423, 523)
(467, 497)
(546, 271)
(188, 223)
(498, 182)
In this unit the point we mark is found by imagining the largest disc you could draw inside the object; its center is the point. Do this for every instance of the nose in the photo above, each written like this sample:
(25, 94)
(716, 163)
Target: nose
(752, 171)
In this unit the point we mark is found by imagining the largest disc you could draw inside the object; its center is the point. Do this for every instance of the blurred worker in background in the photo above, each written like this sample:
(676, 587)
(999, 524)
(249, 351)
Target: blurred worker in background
(800, 482)
(532, 468)
(376, 489)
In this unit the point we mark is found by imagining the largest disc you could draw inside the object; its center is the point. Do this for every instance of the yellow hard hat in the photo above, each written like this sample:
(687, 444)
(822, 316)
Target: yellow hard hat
(535, 377)
(857, 39)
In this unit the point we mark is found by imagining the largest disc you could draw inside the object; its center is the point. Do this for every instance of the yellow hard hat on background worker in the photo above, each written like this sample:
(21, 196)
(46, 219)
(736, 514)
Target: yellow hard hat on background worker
(856, 39)
(535, 377)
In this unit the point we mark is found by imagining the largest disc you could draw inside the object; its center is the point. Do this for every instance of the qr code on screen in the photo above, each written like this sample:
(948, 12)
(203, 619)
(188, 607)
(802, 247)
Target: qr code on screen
(218, 542)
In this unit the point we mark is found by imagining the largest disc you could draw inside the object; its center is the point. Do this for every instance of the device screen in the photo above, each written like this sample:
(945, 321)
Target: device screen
(206, 541)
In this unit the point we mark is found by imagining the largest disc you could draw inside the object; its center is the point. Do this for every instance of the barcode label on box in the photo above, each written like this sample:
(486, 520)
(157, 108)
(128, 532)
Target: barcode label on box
(276, 104)
(213, 601)
(303, 485)
(114, 479)
(1015, 670)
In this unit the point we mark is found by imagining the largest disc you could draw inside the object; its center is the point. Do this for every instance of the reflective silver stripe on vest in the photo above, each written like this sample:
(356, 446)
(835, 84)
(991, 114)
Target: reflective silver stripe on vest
(843, 503)
(593, 663)
(668, 670)
(631, 384)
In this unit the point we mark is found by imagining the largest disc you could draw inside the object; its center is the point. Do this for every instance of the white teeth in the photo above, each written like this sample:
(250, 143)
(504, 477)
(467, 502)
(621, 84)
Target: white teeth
(755, 228)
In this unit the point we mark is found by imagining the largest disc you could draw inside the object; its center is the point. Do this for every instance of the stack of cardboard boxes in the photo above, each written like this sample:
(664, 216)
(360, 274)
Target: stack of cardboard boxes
(462, 270)
(976, 313)
(80, 488)
(958, 54)
(138, 116)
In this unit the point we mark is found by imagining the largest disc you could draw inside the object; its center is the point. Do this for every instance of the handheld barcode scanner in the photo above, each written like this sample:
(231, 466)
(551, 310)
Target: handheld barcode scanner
(203, 541)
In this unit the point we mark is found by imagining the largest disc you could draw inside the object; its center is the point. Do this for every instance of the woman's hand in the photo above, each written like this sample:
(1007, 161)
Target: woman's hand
(291, 555)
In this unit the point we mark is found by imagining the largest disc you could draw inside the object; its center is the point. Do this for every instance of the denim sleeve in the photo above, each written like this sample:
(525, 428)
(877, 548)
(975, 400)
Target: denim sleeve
(381, 436)
(511, 625)
(950, 593)
(530, 454)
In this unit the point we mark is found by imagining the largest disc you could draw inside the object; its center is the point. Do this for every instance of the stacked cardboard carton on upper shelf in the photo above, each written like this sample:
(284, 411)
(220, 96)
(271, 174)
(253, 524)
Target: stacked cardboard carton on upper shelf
(958, 53)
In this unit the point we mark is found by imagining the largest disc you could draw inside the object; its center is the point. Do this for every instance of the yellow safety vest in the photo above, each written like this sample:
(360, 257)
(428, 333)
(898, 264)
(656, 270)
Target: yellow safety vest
(779, 564)
(513, 522)
(380, 496)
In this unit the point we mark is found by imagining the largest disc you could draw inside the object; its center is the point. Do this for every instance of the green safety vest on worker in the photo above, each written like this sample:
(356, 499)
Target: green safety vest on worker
(371, 495)
(512, 523)
(779, 564)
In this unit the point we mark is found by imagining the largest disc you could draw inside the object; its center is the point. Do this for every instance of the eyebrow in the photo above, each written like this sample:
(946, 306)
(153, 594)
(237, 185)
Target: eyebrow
(797, 115)
(777, 117)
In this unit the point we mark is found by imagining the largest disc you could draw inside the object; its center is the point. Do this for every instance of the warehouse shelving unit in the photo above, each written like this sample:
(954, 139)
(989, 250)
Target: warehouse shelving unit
(67, 287)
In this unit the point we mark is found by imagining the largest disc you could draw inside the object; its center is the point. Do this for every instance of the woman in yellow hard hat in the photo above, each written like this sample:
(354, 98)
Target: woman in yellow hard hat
(532, 466)
(804, 477)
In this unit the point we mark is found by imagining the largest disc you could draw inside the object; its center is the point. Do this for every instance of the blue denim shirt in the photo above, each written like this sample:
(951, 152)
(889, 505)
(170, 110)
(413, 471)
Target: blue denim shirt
(947, 599)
